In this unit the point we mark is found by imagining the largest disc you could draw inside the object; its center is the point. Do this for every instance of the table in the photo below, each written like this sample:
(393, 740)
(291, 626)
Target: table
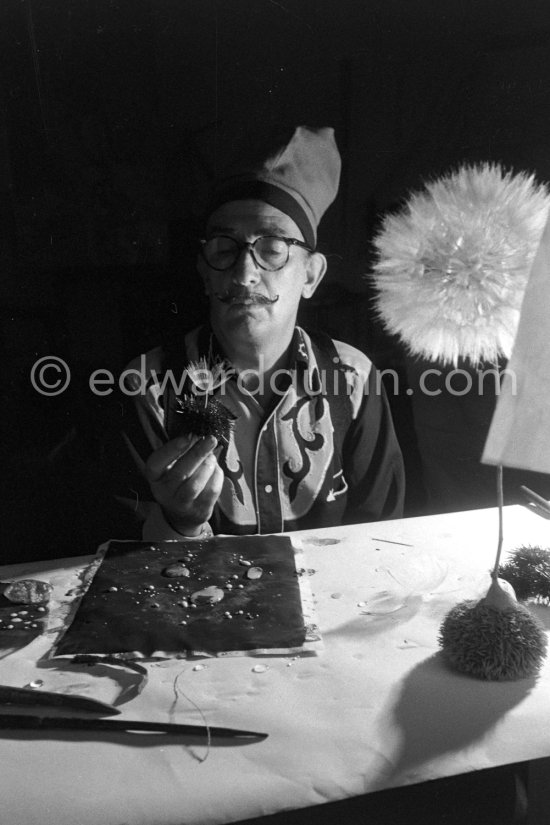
(377, 708)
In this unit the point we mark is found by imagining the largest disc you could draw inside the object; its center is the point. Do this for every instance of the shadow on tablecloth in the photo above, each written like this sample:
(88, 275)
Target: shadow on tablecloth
(438, 711)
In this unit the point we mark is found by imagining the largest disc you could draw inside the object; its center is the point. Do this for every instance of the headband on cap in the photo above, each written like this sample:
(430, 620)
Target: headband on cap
(301, 179)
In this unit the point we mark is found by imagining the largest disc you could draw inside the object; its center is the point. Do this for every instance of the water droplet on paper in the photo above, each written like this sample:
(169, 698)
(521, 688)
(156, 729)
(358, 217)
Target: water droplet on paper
(175, 571)
(209, 595)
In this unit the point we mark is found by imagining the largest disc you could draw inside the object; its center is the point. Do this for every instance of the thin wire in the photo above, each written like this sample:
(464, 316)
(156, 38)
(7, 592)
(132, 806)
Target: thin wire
(177, 692)
(500, 501)
(36, 65)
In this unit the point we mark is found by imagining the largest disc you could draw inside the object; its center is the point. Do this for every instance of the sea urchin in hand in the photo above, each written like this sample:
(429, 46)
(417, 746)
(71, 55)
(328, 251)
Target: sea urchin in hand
(494, 639)
(203, 417)
(199, 413)
(528, 571)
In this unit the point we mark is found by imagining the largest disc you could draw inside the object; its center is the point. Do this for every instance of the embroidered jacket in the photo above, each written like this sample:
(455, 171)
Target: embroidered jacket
(325, 454)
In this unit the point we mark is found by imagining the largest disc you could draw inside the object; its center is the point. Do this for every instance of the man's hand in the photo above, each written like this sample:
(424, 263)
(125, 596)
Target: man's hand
(186, 480)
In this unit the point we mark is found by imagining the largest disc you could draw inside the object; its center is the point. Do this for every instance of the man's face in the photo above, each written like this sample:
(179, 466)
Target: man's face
(246, 301)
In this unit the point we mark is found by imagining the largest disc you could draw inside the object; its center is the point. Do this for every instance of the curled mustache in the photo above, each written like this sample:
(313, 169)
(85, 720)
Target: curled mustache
(227, 297)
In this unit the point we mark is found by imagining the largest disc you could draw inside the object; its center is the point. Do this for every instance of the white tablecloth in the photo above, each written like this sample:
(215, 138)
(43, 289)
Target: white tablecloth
(376, 708)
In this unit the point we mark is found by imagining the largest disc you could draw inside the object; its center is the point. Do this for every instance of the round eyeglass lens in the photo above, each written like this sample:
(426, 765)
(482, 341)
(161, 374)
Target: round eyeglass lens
(221, 252)
(271, 253)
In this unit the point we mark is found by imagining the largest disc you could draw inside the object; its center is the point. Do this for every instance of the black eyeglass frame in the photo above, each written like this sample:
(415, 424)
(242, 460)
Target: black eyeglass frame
(250, 245)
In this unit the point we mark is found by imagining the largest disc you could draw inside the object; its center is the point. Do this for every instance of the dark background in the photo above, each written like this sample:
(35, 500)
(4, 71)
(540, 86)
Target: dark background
(115, 116)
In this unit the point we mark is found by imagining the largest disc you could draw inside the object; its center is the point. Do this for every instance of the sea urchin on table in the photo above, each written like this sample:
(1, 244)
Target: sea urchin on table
(494, 639)
(528, 571)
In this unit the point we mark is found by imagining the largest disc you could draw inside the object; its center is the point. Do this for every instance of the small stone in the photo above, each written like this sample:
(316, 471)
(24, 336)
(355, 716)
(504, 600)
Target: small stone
(229, 586)
(240, 586)
(335, 595)
(36, 683)
(177, 570)
(199, 667)
(361, 604)
(260, 668)
(245, 562)
(113, 589)
(183, 621)
(183, 603)
(16, 619)
(254, 573)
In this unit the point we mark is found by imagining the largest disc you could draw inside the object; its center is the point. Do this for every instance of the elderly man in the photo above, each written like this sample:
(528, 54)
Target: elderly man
(312, 442)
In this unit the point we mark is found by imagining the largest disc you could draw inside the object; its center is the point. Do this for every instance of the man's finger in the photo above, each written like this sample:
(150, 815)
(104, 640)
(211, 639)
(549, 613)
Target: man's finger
(192, 486)
(197, 497)
(168, 456)
(211, 493)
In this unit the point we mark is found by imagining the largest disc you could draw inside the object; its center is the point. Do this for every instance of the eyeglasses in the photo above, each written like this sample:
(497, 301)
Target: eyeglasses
(269, 252)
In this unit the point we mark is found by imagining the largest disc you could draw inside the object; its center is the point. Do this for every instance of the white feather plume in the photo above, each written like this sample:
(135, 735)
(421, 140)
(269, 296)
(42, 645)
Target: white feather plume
(453, 265)
(207, 375)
